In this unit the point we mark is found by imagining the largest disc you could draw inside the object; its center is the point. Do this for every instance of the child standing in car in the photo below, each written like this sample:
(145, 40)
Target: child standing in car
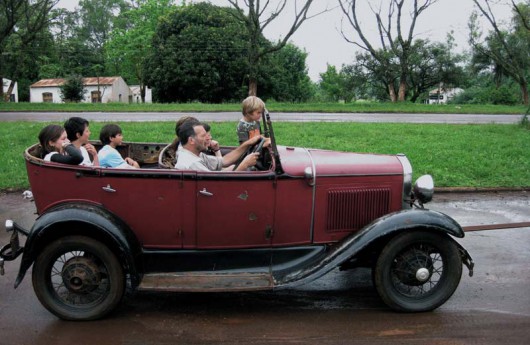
(249, 126)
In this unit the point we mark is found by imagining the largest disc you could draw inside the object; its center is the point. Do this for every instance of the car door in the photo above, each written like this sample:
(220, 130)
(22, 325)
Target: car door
(148, 201)
(235, 209)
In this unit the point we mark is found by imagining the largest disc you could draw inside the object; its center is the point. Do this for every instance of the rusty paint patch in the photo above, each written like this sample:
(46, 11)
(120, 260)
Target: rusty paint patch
(243, 196)
(252, 217)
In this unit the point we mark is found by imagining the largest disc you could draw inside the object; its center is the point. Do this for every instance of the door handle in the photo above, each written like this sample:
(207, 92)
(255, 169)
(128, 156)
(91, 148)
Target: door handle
(205, 192)
(109, 189)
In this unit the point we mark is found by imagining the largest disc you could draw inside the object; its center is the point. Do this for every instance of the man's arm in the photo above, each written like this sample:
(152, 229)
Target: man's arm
(233, 156)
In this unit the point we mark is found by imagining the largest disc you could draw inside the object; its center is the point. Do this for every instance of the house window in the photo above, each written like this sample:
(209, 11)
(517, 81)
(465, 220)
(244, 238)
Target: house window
(47, 97)
(96, 96)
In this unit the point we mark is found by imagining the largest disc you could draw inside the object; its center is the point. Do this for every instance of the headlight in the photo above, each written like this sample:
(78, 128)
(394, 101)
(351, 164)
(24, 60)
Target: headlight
(424, 189)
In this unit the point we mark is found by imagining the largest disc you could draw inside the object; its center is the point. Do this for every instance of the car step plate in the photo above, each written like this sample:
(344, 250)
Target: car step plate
(206, 282)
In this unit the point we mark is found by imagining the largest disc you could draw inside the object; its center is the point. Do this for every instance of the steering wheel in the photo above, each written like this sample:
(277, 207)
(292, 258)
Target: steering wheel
(253, 149)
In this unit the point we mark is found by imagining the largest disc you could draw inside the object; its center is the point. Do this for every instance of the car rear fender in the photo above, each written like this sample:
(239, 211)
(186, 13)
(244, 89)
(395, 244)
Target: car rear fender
(82, 219)
(383, 228)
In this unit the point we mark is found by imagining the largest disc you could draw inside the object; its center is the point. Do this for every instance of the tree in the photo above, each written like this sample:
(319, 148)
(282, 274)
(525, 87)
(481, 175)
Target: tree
(433, 64)
(287, 73)
(198, 54)
(394, 43)
(507, 48)
(73, 90)
(255, 19)
(24, 19)
(127, 49)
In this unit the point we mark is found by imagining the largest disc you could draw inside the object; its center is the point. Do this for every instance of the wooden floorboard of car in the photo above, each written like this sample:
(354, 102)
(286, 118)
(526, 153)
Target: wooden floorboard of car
(186, 282)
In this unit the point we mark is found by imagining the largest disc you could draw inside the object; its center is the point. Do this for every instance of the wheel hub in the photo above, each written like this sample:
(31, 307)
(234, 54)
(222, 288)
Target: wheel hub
(81, 275)
(414, 268)
(423, 274)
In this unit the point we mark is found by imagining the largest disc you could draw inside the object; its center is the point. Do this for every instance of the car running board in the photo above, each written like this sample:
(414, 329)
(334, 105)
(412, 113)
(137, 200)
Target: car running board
(206, 282)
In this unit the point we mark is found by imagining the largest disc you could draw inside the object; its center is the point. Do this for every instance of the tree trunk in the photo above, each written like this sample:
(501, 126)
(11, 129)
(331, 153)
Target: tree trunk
(392, 92)
(9, 91)
(252, 87)
(142, 92)
(402, 89)
(1, 88)
(524, 92)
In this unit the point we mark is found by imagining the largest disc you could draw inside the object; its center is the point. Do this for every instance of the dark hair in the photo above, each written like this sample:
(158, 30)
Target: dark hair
(47, 134)
(206, 126)
(109, 131)
(75, 125)
(179, 123)
(187, 130)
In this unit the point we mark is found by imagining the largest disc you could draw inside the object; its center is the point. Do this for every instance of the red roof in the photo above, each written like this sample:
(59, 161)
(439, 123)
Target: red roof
(86, 81)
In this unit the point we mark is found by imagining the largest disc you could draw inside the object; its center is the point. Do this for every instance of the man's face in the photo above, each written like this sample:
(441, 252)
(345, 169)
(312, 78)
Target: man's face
(202, 139)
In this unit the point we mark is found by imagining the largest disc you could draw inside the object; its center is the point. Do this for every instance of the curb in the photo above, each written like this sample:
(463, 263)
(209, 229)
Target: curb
(442, 190)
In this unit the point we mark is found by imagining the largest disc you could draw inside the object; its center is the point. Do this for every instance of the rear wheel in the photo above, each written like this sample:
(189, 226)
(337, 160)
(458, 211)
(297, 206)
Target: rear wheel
(418, 271)
(78, 278)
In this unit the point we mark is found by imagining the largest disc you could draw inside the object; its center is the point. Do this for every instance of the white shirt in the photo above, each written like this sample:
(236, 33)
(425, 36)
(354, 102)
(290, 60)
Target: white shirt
(187, 160)
(86, 157)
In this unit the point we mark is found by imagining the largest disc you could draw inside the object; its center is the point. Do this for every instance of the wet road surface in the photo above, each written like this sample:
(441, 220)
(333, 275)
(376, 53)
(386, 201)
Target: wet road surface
(288, 117)
(492, 307)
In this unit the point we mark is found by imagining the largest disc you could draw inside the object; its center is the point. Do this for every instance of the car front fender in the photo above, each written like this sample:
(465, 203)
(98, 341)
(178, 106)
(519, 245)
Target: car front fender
(384, 227)
(82, 219)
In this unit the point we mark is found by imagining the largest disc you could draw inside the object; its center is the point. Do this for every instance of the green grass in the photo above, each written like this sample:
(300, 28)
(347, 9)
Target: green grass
(455, 155)
(355, 107)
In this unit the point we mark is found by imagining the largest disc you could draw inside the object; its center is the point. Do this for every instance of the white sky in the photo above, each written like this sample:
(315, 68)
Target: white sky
(321, 38)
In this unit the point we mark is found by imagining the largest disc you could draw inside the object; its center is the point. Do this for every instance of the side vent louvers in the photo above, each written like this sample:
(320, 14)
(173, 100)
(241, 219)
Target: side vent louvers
(352, 209)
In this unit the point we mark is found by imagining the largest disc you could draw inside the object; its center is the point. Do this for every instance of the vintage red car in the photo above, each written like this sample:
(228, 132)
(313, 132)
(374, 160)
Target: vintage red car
(304, 213)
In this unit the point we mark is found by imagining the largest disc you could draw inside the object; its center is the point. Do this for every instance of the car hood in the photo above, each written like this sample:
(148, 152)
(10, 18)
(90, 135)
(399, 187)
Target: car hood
(295, 160)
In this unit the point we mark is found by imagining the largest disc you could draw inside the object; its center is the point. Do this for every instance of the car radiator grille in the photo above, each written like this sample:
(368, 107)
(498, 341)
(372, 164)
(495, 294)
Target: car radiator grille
(352, 209)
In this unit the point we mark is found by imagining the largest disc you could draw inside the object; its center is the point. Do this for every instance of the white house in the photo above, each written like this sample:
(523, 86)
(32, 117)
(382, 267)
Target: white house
(137, 98)
(104, 89)
(13, 97)
(443, 95)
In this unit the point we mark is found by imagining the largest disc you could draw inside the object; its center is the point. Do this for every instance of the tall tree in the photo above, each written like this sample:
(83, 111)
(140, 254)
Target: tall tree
(198, 55)
(256, 17)
(25, 19)
(128, 48)
(507, 48)
(393, 42)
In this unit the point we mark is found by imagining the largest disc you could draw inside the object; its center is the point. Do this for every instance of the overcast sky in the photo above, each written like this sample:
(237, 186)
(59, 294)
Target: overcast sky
(322, 40)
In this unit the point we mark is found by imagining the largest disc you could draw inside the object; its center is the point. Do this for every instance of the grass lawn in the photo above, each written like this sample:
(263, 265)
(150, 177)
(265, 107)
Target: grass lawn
(355, 107)
(455, 155)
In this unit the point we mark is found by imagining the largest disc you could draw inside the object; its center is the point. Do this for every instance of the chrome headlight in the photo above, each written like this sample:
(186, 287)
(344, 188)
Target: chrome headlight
(424, 189)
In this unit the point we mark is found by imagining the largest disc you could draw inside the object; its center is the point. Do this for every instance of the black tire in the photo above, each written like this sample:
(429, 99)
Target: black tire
(78, 278)
(418, 271)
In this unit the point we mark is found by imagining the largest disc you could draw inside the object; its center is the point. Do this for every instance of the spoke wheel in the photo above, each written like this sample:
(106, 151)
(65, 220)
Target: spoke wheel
(78, 278)
(418, 271)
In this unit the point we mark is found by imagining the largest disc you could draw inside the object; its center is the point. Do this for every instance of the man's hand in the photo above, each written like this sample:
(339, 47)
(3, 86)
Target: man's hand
(214, 145)
(249, 161)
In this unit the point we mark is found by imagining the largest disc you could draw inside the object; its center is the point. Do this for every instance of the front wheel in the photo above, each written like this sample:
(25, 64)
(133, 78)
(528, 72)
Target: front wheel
(418, 271)
(78, 278)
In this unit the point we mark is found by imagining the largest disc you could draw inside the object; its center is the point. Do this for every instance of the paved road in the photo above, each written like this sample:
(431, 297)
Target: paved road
(492, 307)
(291, 117)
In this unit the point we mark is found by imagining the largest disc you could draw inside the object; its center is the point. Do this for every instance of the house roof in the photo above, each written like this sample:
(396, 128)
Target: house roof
(91, 81)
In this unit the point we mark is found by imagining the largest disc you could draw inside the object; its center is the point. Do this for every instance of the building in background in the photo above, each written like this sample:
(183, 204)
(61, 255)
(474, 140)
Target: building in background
(137, 98)
(97, 89)
(442, 95)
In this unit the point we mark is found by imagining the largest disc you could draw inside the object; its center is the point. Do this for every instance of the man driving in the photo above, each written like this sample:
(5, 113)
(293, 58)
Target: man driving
(194, 140)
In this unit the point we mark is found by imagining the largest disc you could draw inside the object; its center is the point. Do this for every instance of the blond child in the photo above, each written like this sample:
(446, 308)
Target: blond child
(249, 126)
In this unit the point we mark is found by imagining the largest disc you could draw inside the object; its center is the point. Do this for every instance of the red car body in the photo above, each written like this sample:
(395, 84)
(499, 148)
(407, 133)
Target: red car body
(307, 212)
